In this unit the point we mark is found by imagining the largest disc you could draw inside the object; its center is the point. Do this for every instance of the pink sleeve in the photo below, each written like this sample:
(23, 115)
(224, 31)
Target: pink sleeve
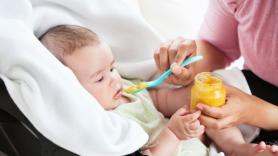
(220, 28)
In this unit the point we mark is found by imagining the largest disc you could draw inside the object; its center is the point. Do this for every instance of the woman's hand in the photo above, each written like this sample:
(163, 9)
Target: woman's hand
(239, 108)
(171, 54)
(186, 125)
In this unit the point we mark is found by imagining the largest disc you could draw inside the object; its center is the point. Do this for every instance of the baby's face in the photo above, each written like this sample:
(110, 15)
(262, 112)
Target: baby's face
(94, 68)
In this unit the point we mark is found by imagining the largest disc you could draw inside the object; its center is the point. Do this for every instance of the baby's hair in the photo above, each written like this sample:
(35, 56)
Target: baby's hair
(63, 40)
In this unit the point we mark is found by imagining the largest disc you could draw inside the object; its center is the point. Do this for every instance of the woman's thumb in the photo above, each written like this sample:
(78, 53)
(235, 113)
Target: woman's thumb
(176, 68)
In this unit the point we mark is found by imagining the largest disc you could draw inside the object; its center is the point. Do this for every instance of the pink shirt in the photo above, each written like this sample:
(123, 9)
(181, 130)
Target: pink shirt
(247, 28)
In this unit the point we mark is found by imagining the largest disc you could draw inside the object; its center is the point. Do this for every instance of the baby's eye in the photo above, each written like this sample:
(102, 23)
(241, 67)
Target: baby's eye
(99, 79)
(112, 69)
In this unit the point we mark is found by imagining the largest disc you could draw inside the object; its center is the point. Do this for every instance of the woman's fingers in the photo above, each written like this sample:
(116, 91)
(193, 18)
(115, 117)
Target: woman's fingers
(215, 112)
(216, 123)
(225, 122)
(156, 59)
(209, 122)
(185, 75)
(175, 51)
(176, 68)
(185, 49)
(213, 117)
(163, 56)
(174, 47)
(171, 54)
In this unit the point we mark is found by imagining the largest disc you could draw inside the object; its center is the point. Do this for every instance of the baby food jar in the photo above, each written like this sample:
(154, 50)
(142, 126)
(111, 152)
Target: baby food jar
(207, 89)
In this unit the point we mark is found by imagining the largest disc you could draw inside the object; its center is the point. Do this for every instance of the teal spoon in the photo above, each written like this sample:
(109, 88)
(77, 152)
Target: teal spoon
(143, 85)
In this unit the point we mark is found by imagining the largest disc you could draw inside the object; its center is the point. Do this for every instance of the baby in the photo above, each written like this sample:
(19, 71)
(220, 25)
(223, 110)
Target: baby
(92, 62)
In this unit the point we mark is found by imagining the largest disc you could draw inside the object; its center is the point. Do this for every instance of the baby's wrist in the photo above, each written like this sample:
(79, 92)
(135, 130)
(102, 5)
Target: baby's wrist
(172, 133)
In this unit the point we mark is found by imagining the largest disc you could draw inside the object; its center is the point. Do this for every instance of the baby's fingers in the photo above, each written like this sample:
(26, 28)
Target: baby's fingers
(196, 133)
(188, 118)
(194, 125)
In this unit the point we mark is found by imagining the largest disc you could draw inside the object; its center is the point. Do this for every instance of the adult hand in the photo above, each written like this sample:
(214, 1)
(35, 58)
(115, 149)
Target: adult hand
(185, 125)
(239, 108)
(171, 54)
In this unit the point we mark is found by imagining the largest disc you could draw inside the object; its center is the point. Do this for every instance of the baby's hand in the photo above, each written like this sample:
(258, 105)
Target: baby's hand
(185, 125)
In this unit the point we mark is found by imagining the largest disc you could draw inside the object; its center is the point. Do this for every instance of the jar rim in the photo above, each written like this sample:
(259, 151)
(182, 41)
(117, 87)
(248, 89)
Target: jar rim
(208, 78)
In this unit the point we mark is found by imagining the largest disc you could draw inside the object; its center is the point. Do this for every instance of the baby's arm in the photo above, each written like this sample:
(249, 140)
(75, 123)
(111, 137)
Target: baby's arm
(166, 144)
(182, 125)
(169, 100)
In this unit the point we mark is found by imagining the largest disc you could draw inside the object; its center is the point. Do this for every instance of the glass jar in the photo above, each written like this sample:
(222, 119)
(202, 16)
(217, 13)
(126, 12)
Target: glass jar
(207, 89)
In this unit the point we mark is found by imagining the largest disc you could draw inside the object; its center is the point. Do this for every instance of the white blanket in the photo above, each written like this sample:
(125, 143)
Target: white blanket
(49, 94)
(119, 22)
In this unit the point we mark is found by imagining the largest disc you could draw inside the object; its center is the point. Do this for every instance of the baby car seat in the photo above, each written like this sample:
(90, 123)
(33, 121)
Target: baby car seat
(18, 137)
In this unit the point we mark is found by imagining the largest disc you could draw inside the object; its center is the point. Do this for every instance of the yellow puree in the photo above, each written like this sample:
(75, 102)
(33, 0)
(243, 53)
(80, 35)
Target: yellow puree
(134, 88)
(207, 89)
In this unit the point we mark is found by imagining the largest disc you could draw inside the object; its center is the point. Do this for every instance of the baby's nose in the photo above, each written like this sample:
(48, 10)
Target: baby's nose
(114, 81)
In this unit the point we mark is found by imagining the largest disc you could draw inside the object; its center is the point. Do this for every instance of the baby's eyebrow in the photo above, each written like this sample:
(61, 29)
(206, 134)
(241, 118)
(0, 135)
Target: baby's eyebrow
(96, 73)
(99, 71)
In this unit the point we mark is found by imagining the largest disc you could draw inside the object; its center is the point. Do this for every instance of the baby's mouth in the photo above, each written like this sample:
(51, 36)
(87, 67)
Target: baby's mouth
(118, 94)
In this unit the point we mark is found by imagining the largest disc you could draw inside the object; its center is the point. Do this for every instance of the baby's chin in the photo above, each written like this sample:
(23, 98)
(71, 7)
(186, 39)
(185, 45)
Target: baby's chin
(114, 104)
(122, 100)
(119, 101)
